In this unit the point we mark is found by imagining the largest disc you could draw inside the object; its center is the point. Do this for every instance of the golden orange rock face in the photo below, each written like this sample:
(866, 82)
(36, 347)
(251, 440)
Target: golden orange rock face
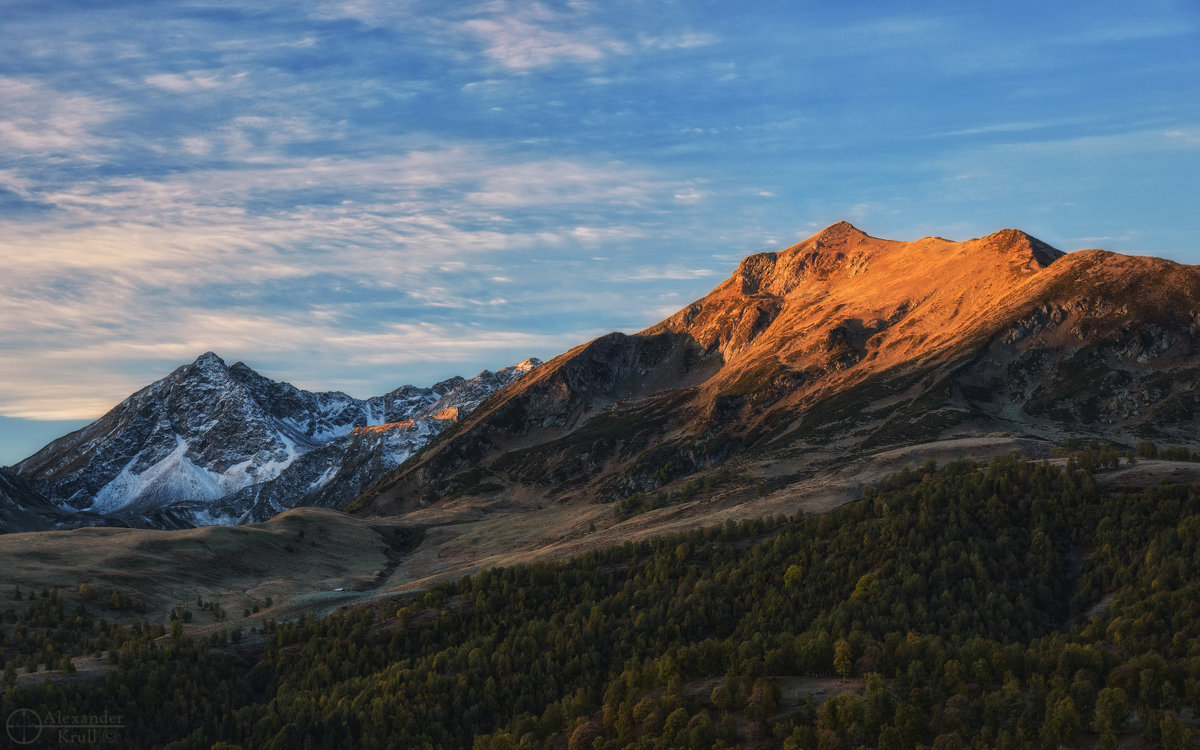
(841, 305)
(843, 294)
(449, 413)
(404, 424)
(841, 345)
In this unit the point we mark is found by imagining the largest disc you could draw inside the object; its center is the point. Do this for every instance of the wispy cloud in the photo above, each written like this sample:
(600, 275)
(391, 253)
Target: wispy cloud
(521, 45)
(521, 36)
(541, 183)
(192, 81)
(691, 195)
(1154, 140)
(683, 40)
(606, 234)
(368, 12)
(263, 339)
(39, 121)
(201, 218)
(137, 267)
(658, 273)
(1130, 31)
(1015, 126)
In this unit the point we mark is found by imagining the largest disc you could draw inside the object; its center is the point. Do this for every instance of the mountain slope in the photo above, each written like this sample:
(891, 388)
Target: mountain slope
(838, 347)
(23, 508)
(212, 443)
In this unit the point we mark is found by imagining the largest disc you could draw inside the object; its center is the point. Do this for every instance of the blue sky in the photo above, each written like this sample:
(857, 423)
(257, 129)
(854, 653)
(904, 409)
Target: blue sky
(355, 195)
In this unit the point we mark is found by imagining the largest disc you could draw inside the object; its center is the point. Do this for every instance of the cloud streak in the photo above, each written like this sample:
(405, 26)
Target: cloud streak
(136, 268)
(521, 36)
(267, 341)
(39, 122)
(416, 207)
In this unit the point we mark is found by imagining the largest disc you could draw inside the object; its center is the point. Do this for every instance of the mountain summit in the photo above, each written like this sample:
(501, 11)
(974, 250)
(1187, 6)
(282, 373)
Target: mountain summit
(836, 348)
(815, 306)
(214, 443)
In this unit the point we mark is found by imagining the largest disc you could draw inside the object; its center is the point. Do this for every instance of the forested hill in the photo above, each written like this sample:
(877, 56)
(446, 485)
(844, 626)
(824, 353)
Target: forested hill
(1009, 605)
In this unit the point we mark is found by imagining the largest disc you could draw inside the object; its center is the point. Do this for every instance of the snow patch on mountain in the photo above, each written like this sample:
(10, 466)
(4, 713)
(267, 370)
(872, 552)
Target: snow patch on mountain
(172, 475)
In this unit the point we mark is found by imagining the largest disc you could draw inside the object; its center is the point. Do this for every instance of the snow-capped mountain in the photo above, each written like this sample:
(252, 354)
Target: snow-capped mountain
(218, 444)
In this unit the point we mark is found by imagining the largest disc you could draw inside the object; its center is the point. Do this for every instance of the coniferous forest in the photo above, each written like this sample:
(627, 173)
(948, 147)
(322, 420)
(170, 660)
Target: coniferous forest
(1012, 604)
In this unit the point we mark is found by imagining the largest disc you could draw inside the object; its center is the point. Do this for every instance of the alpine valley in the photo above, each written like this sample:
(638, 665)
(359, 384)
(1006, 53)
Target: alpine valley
(675, 538)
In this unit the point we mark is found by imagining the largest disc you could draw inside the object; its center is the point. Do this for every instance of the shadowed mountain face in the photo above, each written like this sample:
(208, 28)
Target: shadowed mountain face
(218, 444)
(838, 347)
(23, 508)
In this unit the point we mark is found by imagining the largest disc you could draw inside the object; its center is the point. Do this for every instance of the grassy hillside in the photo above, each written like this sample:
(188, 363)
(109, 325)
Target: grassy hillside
(1015, 604)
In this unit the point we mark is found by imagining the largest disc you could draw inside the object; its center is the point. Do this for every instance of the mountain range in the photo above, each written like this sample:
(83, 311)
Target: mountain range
(213, 444)
(838, 348)
(839, 351)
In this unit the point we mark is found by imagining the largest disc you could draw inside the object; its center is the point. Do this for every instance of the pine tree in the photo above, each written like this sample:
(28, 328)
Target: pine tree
(841, 659)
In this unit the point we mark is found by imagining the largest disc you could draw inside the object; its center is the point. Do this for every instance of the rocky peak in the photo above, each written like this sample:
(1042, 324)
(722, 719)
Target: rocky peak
(777, 272)
(838, 234)
(210, 366)
(241, 368)
(840, 248)
(1022, 247)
